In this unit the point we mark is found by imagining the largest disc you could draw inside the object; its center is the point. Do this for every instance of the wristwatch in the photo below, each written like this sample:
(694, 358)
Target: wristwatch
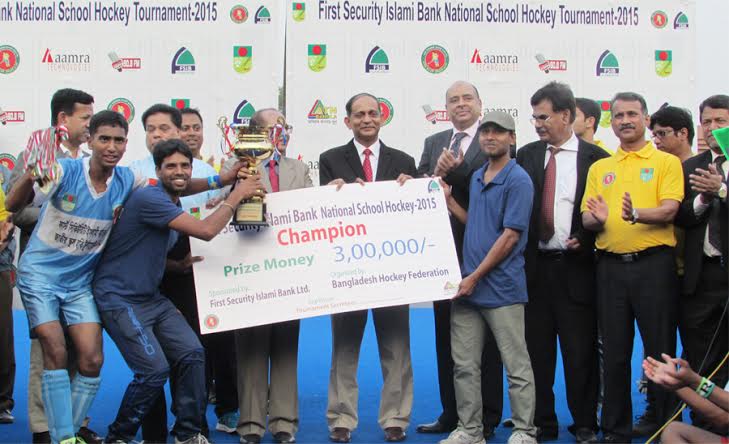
(634, 216)
(722, 191)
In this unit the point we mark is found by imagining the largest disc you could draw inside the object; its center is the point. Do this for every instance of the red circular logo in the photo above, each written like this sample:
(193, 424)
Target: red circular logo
(605, 105)
(7, 160)
(211, 321)
(316, 50)
(9, 59)
(608, 178)
(239, 14)
(659, 19)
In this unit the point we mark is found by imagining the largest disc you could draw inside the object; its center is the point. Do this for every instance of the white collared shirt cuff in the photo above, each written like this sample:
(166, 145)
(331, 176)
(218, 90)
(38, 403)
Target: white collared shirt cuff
(699, 205)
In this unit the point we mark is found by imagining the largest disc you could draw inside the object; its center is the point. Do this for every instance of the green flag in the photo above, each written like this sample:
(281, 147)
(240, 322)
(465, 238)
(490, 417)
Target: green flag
(722, 138)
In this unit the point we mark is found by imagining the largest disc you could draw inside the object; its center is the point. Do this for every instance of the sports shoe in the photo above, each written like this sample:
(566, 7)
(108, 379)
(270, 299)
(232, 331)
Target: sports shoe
(6, 417)
(87, 436)
(71, 440)
(460, 437)
(521, 438)
(197, 439)
(283, 437)
(228, 422)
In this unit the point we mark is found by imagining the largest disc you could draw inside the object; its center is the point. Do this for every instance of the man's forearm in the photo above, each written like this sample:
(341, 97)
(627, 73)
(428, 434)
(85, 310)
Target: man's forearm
(456, 210)
(664, 214)
(591, 223)
(20, 194)
(498, 252)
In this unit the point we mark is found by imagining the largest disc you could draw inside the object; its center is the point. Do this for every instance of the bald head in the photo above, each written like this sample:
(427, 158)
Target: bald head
(462, 84)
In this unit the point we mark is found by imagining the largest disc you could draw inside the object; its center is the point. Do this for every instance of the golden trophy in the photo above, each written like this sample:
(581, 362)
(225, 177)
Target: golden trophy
(251, 144)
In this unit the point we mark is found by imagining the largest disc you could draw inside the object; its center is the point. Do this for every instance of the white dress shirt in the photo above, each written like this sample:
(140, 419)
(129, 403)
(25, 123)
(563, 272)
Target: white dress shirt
(564, 193)
(700, 207)
(466, 141)
(374, 157)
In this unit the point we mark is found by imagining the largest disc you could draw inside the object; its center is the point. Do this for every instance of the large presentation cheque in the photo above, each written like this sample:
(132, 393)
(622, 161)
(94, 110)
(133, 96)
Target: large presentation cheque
(327, 251)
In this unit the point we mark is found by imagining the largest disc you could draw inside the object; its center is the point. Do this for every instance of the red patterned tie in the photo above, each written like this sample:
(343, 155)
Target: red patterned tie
(272, 175)
(546, 222)
(367, 166)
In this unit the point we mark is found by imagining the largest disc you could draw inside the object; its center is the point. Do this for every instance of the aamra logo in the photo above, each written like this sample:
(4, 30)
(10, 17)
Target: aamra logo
(387, 112)
(377, 61)
(664, 62)
(681, 21)
(646, 174)
(606, 115)
(11, 116)
(608, 178)
(180, 103)
(7, 160)
(607, 64)
(242, 59)
(66, 62)
(123, 107)
(68, 202)
(243, 113)
(485, 62)
(317, 57)
(239, 14)
(263, 15)
(322, 114)
(124, 63)
(183, 62)
(659, 19)
(9, 59)
(211, 321)
(298, 11)
(550, 65)
(435, 59)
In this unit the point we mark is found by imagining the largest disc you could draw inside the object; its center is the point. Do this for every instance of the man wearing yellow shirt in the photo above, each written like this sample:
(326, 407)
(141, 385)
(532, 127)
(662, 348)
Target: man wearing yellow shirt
(630, 200)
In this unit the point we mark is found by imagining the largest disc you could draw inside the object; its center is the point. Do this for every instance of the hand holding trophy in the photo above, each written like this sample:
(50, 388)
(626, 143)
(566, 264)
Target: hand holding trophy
(40, 155)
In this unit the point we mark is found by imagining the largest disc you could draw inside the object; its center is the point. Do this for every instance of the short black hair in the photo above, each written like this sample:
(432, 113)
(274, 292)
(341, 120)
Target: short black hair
(559, 94)
(195, 111)
(630, 97)
(108, 118)
(675, 118)
(718, 101)
(350, 102)
(65, 100)
(589, 108)
(169, 147)
(173, 112)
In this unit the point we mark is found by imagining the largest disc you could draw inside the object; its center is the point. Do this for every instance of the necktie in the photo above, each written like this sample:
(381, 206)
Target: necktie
(456, 144)
(714, 218)
(273, 175)
(546, 223)
(367, 166)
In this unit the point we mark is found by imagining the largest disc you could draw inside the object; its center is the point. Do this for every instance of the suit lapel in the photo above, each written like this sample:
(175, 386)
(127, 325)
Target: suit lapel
(539, 157)
(473, 149)
(263, 170)
(383, 163)
(352, 157)
(285, 174)
(584, 160)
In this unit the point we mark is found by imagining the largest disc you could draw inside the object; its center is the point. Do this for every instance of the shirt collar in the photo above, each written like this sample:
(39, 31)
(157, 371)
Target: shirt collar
(470, 131)
(67, 153)
(570, 145)
(375, 148)
(646, 152)
(500, 177)
(87, 172)
(714, 155)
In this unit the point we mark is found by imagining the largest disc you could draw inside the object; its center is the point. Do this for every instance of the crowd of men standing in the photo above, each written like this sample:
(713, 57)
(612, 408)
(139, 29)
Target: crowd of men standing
(562, 241)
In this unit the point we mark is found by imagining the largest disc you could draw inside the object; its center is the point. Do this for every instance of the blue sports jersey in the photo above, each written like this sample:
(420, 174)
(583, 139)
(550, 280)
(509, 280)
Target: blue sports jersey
(72, 230)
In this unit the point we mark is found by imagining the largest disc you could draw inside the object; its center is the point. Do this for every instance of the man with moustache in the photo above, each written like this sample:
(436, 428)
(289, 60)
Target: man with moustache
(560, 265)
(703, 215)
(630, 201)
(365, 159)
(493, 290)
(455, 154)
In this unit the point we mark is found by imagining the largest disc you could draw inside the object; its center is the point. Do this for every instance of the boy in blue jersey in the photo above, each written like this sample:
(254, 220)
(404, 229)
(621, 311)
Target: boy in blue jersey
(151, 334)
(55, 272)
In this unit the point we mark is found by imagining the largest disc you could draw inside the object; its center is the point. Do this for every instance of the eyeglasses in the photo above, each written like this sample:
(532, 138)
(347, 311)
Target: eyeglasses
(660, 134)
(289, 129)
(542, 118)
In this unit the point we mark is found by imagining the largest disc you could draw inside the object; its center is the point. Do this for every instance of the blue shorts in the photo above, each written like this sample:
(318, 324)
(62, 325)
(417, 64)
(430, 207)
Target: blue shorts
(44, 306)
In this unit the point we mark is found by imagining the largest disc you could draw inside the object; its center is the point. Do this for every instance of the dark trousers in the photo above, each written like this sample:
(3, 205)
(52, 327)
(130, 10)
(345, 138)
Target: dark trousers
(7, 348)
(646, 291)
(699, 324)
(156, 341)
(492, 379)
(562, 306)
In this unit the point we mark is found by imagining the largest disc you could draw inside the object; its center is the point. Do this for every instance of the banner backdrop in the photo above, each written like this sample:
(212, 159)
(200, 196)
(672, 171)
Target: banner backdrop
(408, 52)
(223, 57)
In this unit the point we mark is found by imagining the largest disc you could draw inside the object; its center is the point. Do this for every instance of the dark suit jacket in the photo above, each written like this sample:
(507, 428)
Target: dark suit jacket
(695, 226)
(531, 157)
(459, 179)
(343, 162)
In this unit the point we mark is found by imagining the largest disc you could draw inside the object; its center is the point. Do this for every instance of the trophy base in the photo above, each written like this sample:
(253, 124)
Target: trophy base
(250, 214)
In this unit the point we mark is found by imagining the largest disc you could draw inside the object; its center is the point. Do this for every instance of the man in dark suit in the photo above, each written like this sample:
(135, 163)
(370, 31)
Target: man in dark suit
(456, 154)
(365, 159)
(560, 265)
(703, 214)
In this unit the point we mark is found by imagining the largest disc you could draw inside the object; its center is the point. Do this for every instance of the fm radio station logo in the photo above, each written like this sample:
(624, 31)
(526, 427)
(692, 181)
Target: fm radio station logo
(486, 62)
(263, 16)
(664, 62)
(122, 106)
(180, 103)
(183, 62)
(550, 65)
(681, 21)
(607, 65)
(435, 59)
(239, 14)
(9, 59)
(124, 63)
(7, 160)
(387, 112)
(606, 115)
(317, 57)
(11, 116)
(243, 113)
(319, 113)
(242, 59)
(298, 11)
(659, 19)
(377, 61)
(66, 62)
(435, 116)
